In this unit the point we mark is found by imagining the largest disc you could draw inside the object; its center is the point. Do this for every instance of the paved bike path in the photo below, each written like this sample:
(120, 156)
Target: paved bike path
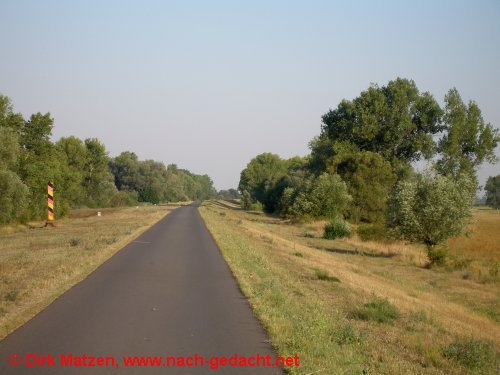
(167, 293)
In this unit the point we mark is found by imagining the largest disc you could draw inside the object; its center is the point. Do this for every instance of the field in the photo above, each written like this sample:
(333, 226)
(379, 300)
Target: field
(352, 307)
(39, 264)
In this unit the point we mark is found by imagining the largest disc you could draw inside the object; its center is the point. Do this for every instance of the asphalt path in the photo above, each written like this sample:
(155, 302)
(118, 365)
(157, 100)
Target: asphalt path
(169, 293)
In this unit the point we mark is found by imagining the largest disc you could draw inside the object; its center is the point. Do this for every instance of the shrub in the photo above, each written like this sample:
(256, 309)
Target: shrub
(256, 206)
(473, 354)
(437, 255)
(378, 310)
(336, 228)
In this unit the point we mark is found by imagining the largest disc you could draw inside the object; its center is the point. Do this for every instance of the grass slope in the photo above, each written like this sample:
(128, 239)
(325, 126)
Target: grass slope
(352, 307)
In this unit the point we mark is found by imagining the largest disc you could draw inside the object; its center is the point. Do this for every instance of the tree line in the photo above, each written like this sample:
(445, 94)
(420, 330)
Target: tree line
(82, 171)
(361, 166)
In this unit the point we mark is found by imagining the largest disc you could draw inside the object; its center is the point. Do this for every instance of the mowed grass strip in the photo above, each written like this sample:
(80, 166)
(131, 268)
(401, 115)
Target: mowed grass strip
(283, 297)
(38, 265)
(348, 309)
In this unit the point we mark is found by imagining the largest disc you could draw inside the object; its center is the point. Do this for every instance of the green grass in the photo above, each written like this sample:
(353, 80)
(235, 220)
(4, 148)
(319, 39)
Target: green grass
(378, 310)
(477, 355)
(297, 320)
(351, 327)
(324, 275)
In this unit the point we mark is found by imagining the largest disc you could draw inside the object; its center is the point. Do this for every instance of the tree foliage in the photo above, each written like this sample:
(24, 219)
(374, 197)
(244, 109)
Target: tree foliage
(369, 178)
(492, 188)
(395, 121)
(468, 141)
(14, 197)
(431, 208)
(260, 177)
(82, 172)
(323, 196)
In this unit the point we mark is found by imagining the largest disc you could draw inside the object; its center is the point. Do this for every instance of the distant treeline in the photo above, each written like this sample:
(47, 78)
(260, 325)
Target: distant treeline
(83, 173)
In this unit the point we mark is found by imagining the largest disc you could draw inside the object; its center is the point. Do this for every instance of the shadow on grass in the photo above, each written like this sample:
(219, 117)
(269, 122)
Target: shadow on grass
(359, 252)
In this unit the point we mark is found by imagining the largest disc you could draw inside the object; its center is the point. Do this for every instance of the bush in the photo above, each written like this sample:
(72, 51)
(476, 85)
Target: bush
(473, 354)
(336, 228)
(379, 310)
(256, 206)
(437, 255)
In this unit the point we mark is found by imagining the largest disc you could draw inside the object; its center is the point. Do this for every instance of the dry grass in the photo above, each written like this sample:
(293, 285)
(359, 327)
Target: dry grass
(37, 265)
(478, 253)
(319, 320)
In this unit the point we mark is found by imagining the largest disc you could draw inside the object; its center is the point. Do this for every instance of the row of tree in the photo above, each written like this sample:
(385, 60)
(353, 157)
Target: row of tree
(361, 166)
(82, 171)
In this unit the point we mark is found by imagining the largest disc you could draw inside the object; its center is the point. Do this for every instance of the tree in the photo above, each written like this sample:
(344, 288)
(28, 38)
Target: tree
(492, 188)
(468, 141)
(430, 209)
(73, 155)
(125, 169)
(9, 149)
(261, 175)
(369, 178)
(98, 179)
(323, 196)
(9, 119)
(396, 121)
(14, 197)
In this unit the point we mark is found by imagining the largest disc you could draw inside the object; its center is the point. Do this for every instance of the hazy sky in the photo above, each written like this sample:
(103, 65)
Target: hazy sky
(210, 84)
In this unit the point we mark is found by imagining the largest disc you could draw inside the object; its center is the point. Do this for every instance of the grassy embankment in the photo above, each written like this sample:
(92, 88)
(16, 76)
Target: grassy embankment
(38, 265)
(348, 306)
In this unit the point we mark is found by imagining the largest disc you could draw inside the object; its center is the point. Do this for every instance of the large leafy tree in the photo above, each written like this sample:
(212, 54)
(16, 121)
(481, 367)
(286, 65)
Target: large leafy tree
(73, 155)
(468, 141)
(126, 170)
(369, 178)
(396, 121)
(98, 179)
(261, 176)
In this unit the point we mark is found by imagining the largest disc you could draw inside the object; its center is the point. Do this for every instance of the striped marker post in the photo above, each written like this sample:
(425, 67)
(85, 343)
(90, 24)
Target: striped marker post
(50, 202)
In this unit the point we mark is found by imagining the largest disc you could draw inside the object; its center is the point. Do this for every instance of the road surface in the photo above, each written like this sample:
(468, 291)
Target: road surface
(167, 293)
